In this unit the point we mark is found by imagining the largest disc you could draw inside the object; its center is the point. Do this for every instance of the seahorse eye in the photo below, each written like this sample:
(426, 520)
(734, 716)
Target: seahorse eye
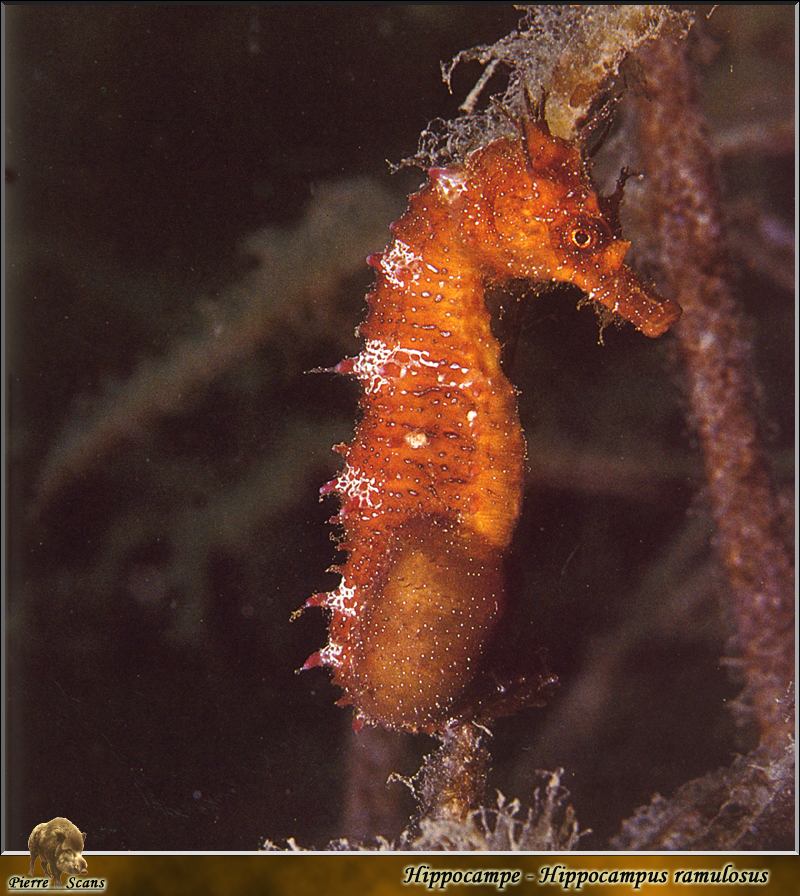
(583, 239)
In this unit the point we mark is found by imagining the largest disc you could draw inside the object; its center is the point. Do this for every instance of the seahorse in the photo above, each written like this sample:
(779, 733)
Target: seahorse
(431, 488)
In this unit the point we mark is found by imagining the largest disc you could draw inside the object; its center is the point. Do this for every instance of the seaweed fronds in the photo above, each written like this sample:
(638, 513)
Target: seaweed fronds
(299, 269)
(548, 825)
(568, 54)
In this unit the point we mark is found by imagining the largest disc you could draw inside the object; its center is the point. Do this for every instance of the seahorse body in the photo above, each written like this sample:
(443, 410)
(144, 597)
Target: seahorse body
(432, 483)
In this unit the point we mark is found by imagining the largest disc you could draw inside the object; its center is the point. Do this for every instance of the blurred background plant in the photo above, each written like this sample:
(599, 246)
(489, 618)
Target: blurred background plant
(190, 195)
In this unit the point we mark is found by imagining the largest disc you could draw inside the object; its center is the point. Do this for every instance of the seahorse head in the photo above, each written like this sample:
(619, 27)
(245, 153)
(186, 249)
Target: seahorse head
(533, 213)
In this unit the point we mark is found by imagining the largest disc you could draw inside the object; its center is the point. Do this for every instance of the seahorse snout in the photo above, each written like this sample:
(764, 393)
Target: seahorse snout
(625, 295)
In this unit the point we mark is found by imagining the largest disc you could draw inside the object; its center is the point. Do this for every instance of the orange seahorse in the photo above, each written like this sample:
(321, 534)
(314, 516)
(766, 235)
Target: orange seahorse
(432, 483)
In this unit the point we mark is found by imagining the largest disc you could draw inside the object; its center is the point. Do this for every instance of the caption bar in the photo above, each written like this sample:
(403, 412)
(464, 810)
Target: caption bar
(576, 878)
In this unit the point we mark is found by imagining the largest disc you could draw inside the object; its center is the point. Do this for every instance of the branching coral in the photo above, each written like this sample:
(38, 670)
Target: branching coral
(745, 806)
(683, 209)
(749, 804)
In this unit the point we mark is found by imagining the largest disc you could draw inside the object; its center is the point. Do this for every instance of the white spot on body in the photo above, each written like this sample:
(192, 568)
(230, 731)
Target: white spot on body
(416, 439)
(450, 184)
(371, 363)
(400, 264)
(331, 654)
(352, 483)
(342, 600)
